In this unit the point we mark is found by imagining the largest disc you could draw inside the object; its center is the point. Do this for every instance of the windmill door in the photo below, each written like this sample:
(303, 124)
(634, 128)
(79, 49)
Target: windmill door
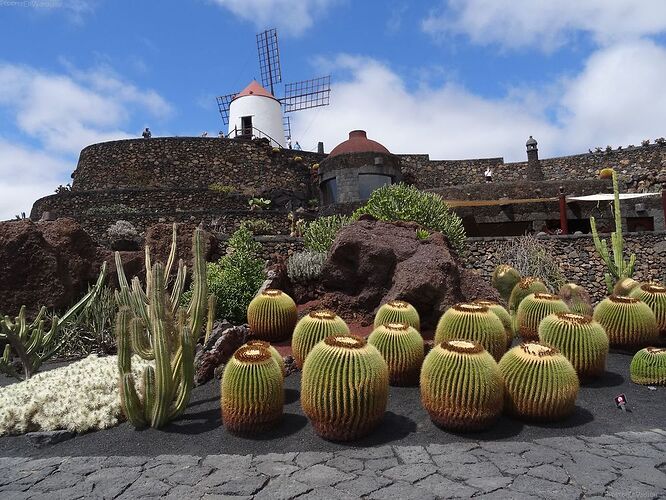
(246, 126)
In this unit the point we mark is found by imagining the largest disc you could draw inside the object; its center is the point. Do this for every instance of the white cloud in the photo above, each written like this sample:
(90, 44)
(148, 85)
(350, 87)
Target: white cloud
(547, 23)
(616, 100)
(55, 115)
(289, 16)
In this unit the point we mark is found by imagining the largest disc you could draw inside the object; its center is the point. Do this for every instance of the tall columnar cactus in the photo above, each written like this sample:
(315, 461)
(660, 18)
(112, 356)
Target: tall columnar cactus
(344, 387)
(30, 343)
(152, 324)
(580, 339)
(473, 322)
(252, 391)
(461, 386)
(625, 286)
(523, 288)
(312, 329)
(402, 348)
(272, 315)
(533, 309)
(272, 350)
(618, 268)
(654, 295)
(504, 279)
(398, 311)
(629, 323)
(648, 366)
(504, 317)
(576, 298)
(539, 382)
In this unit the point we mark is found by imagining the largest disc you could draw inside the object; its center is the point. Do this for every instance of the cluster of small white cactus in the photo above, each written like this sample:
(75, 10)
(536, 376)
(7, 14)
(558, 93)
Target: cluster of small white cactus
(79, 397)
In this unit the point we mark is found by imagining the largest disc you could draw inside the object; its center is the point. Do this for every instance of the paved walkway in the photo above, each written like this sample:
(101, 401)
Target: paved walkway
(622, 465)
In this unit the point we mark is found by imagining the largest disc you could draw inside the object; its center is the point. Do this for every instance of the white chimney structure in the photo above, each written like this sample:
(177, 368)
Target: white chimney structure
(255, 112)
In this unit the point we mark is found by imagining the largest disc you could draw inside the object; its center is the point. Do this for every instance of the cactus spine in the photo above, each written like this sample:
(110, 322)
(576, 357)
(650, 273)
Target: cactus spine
(252, 391)
(628, 322)
(654, 295)
(28, 340)
(523, 288)
(648, 366)
(402, 348)
(153, 325)
(398, 311)
(272, 315)
(461, 386)
(503, 316)
(533, 309)
(576, 298)
(580, 339)
(272, 350)
(473, 322)
(344, 387)
(312, 329)
(539, 382)
(504, 279)
(618, 268)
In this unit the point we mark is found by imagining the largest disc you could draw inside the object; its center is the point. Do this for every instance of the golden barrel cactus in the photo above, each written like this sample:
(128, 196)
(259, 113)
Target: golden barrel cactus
(576, 298)
(654, 295)
(397, 311)
(648, 366)
(504, 279)
(312, 329)
(504, 317)
(629, 322)
(461, 386)
(272, 315)
(523, 288)
(533, 309)
(274, 352)
(344, 387)
(402, 348)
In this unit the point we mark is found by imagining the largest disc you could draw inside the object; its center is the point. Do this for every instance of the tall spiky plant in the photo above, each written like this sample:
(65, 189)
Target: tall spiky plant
(618, 268)
(152, 324)
(30, 343)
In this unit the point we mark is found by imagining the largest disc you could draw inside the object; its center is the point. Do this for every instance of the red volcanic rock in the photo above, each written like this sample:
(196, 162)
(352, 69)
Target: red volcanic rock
(372, 262)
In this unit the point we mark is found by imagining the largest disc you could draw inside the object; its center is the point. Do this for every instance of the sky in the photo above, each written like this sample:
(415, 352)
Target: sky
(450, 78)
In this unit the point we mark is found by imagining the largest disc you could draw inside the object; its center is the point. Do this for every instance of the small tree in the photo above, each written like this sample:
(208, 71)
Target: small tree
(618, 268)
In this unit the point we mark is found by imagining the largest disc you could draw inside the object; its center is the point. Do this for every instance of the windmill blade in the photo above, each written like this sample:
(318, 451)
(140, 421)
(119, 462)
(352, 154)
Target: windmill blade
(269, 59)
(223, 103)
(307, 94)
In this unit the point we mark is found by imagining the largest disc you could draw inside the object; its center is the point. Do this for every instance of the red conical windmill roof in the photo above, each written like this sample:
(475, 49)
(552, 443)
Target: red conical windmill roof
(254, 88)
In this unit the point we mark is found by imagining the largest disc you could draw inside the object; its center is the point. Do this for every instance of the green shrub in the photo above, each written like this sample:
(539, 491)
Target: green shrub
(218, 187)
(115, 208)
(257, 226)
(400, 202)
(530, 257)
(320, 233)
(236, 277)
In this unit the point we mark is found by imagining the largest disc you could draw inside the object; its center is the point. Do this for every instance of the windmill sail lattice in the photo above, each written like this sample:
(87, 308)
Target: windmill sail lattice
(269, 59)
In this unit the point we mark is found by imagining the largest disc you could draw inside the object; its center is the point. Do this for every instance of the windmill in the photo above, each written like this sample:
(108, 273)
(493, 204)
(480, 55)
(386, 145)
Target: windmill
(257, 112)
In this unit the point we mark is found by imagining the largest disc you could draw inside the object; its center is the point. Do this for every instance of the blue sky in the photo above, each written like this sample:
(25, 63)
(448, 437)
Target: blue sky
(452, 78)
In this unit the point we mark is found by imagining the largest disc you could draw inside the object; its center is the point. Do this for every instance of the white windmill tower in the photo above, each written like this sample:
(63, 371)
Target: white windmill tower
(257, 112)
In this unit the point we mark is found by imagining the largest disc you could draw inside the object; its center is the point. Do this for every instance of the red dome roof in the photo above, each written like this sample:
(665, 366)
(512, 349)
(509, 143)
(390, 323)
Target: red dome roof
(254, 88)
(358, 142)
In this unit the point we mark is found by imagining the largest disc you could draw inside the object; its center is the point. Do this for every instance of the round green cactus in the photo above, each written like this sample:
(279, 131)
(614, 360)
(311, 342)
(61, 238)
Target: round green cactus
(648, 367)
(461, 386)
(312, 329)
(654, 295)
(504, 317)
(398, 311)
(523, 288)
(252, 391)
(504, 278)
(274, 352)
(629, 323)
(344, 387)
(402, 348)
(533, 309)
(580, 339)
(576, 298)
(624, 287)
(539, 382)
(272, 315)
(473, 322)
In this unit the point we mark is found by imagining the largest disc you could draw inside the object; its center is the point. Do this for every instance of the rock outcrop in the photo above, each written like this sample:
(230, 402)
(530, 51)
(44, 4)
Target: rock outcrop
(372, 262)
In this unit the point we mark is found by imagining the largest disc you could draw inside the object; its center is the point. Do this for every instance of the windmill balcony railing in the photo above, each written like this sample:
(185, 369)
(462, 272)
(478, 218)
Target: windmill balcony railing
(251, 133)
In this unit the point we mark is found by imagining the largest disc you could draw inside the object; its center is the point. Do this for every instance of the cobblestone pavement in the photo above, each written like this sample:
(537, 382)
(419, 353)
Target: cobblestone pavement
(623, 465)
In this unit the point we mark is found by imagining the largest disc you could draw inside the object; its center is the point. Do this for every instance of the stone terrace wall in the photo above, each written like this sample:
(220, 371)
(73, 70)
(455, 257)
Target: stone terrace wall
(192, 162)
(578, 260)
(642, 166)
